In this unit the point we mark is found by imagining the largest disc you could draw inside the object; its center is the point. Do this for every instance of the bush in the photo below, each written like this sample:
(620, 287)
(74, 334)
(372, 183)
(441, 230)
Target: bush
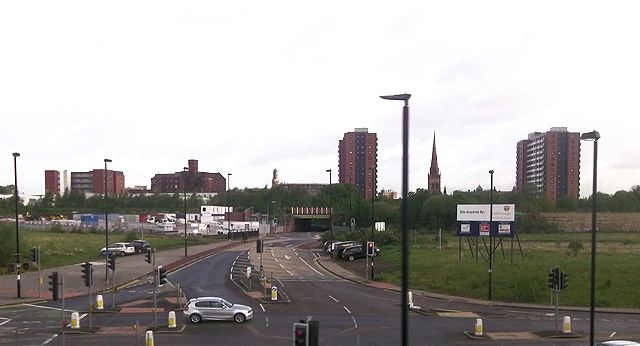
(575, 247)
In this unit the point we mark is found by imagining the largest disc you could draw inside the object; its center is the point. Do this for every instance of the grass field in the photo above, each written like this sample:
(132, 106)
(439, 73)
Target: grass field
(617, 269)
(63, 248)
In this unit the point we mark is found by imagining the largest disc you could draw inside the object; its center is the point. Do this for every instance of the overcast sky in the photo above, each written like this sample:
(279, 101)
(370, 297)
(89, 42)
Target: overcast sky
(248, 86)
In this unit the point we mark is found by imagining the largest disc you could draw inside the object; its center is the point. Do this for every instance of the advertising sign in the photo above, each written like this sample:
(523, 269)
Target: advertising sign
(480, 212)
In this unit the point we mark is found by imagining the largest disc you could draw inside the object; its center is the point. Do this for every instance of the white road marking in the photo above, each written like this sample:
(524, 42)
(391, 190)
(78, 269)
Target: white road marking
(262, 307)
(611, 335)
(50, 339)
(234, 263)
(287, 257)
(346, 309)
(275, 259)
(281, 284)
(354, 321)
(305, 262)
(334, 299)
(6, 320)
(281, 266)
(267, 321)
(230, 276)
(290, 273)
(44, 307)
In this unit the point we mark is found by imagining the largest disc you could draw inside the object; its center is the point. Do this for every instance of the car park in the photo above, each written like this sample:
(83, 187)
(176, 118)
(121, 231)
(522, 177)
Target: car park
(120, 249)
(216, 308)
(140, 245)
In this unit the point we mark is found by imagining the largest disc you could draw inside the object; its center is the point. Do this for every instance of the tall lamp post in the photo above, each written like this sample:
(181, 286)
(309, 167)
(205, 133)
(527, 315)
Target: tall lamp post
(15, 197)
(373, 196)
(228, 205)
(593, 136)
(404, 214)
(330, 217)
(490, 227)
(269, 219)
(106, 222)
(185, 171)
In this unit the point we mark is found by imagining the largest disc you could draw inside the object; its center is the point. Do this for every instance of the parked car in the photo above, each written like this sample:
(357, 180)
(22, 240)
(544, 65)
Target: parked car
(140, 245)
(216, 308)
(354, 252)
(121, 249)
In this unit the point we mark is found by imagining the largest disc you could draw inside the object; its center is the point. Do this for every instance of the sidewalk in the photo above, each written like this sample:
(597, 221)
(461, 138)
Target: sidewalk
(128, 268)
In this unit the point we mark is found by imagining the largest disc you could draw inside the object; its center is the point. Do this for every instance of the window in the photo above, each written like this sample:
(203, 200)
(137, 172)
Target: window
(203, 305)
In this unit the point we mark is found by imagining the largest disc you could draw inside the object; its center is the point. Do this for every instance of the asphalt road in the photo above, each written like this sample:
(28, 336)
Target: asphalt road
(349, 313)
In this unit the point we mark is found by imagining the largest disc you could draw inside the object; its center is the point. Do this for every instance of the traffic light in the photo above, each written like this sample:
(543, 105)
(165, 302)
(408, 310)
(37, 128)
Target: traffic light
(301, 334)
(147, 256)
(259, 246)
(563, 280)
(371, 248)
(34, 254)
(162, 276)
(53, 285)
(87, 273)
(554, 278)
(112, 262)
(275, 221)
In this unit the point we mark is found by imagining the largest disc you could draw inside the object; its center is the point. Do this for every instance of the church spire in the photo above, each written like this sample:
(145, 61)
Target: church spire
(433, 178)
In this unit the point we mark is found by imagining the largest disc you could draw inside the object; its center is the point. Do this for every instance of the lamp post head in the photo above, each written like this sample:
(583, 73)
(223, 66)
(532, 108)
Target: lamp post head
(491, 172)
(590, 136)
(328, 171)
(185, 168)
(16, 154)
(107, 160)
(399, 97)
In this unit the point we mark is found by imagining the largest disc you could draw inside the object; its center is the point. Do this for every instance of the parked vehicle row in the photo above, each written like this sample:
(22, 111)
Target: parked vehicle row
(124, 249)
(348, 250)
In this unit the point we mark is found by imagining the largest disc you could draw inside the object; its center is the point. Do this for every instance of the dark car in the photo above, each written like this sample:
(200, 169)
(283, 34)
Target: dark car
(140, 245)
(353, 252)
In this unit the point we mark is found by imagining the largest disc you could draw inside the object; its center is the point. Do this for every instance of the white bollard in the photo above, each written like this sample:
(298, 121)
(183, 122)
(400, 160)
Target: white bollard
(410, 299)
(274, 293)
(172, 319)
(566, 325)
(75, 320)
(478, 330)
(148, 338)
(99, 302)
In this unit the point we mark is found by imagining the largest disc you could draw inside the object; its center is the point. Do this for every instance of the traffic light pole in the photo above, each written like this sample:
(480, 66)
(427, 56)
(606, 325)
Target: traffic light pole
(155, 288)
(90, 302)
(39, 278)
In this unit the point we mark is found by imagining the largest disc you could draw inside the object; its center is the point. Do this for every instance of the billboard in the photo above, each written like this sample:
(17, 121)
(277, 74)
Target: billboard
(480, 212)
(473, 220)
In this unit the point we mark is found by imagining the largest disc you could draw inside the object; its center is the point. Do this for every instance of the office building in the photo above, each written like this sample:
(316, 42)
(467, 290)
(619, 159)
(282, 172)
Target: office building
(93, 182)
(549, 162)
(358, 161)
(52, 182)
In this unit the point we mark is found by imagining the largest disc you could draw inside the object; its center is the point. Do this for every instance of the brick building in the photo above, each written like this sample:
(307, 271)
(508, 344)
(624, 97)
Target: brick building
(52, 182)
(358, 159)
(93, 182)
(550, 163)
(196, 182)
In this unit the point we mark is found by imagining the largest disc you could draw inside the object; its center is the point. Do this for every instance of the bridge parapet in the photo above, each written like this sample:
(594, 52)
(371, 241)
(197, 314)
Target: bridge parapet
(310, 211)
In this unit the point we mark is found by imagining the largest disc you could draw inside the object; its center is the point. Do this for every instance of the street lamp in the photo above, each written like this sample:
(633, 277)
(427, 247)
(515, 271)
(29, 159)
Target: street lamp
(330, 217)
(228, 205)
(15, 197)
(373, 196)
(404, 214)
(185, 171)
(106, 223)
(593, 136)
(490, 227)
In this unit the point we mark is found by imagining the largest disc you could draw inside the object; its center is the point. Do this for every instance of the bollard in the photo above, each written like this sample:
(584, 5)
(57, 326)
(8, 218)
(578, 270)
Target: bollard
(478, 330)
(566, 325)
(148, 338)
(99, 302)
(274, 293)
(410, 299)
(75, 320)
(172, 319)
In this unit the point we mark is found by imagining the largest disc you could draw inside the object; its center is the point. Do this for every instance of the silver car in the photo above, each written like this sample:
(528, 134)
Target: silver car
(216, 308)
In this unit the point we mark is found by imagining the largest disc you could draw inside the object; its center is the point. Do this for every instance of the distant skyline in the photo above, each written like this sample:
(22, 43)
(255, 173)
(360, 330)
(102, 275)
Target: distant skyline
(248, 87)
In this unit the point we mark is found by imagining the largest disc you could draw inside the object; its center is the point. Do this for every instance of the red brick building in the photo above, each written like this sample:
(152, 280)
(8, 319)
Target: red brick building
(358, 161)
(550, 162)
(93, 182)
(197, 182)
(52, 182)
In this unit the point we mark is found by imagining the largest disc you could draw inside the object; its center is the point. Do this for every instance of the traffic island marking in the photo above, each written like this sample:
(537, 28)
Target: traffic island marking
(166, 329)
(130, 310)
(552, 334)
(503, 336)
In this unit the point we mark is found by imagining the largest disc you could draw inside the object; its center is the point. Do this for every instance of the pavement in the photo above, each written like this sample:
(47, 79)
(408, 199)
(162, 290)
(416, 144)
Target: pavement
(128, 268)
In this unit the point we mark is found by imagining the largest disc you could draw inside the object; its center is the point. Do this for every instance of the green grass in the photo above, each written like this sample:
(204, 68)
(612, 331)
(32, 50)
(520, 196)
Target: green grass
(617, 269)
(63, 248)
